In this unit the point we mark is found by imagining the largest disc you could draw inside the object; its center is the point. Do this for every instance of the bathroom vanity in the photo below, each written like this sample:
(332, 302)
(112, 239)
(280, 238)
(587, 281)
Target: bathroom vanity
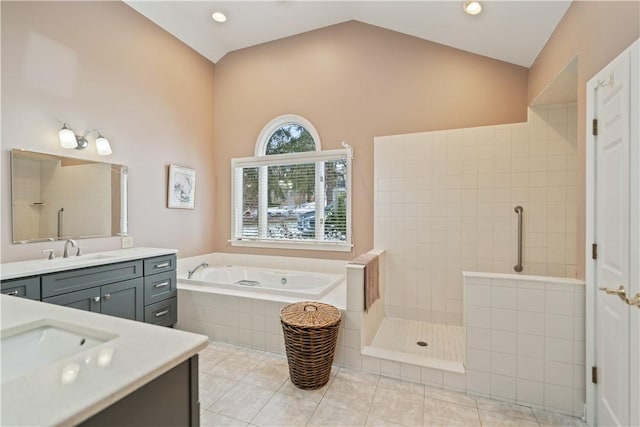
(136, 283)
(73, 367)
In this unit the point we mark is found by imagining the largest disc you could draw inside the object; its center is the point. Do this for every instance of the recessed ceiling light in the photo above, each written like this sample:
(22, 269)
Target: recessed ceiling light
(472, 7)
(219, 17)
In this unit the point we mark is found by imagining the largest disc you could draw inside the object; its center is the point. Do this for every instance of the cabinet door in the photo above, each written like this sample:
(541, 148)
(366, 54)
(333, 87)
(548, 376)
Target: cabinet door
(123, 299)
(24, 287)
(88, 300)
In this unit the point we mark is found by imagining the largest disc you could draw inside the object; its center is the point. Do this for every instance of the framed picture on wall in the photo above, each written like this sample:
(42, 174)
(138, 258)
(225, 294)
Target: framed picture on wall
(181, 191)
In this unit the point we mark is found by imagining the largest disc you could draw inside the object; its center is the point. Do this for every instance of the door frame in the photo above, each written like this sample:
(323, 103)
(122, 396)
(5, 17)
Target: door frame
(634, 206)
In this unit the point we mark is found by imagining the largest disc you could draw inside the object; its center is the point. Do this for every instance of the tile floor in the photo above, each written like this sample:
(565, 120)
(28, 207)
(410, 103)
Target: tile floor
(245, 387)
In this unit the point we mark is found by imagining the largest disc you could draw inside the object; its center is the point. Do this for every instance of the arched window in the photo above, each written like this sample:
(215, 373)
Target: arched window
(287, 134)
(292, 192)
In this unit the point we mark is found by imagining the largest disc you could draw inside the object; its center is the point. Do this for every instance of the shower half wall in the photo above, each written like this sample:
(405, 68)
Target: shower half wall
(444, 203)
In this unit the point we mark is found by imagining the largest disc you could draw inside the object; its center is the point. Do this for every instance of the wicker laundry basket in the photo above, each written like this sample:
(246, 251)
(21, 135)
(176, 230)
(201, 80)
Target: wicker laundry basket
(310, 335)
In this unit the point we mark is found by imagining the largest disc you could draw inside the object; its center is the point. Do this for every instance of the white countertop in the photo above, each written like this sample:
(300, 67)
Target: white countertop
(139, 353)
(13, 270)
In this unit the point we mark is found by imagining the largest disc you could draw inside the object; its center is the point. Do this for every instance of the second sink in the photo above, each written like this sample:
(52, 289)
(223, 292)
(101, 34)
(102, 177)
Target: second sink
(28, 347)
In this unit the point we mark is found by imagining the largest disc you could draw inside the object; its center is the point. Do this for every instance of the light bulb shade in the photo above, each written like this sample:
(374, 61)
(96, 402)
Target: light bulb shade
(67, 137)
(472, 7)
(102, 146)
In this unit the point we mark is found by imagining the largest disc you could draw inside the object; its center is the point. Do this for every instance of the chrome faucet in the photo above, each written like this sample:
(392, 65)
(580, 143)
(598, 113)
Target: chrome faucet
(204, 264)
(73, 244)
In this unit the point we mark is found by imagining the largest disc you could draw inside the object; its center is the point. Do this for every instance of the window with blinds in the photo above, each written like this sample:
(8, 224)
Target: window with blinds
(292, 200)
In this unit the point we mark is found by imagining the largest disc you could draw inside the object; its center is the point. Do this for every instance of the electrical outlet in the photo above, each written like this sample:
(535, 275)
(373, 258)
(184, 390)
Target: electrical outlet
(127, 242)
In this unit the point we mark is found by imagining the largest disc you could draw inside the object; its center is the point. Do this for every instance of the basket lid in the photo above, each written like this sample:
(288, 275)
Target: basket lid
(310, 314)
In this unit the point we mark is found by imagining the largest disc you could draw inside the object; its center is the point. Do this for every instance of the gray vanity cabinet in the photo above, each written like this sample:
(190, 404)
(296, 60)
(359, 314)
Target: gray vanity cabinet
(114, 289)
(83, 278)
(88, 300)
(144, 290)
(26, 287)
(160, 291)
(122, 299)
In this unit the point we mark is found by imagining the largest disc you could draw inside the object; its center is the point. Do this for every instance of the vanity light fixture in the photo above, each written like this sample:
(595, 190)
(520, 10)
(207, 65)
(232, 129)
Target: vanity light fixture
(472, 7)
(219, 17)
(69, 140)
(102, 145)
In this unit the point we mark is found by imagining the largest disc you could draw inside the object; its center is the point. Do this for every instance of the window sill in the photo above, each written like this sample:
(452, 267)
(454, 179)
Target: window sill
(308, 246)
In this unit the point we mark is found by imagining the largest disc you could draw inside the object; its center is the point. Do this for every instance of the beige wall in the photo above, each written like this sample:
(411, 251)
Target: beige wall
(596, 32)
(353, 82)
(101, 64)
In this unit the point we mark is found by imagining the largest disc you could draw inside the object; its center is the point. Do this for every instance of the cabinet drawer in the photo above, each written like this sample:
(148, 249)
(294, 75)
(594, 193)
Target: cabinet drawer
(28, 287)
(159, 264)
(84, 278)
(159, 287)
(164, 313)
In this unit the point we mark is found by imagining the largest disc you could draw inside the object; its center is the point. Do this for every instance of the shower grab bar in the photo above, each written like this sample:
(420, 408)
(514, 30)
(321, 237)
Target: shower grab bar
(519, 210)
(60, 216)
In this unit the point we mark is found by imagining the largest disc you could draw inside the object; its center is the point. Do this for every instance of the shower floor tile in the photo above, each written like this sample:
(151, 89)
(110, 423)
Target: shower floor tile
(399, 337)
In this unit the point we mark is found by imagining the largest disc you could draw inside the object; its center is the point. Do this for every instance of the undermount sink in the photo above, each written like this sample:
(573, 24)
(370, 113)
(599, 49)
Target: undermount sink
(82, 258)
(28, 347)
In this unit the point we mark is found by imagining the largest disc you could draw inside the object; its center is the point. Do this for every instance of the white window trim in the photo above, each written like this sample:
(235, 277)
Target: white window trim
(277, 123)
(281, 159)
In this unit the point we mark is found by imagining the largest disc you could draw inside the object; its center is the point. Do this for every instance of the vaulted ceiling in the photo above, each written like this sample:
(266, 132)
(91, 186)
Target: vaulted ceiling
(511, 31)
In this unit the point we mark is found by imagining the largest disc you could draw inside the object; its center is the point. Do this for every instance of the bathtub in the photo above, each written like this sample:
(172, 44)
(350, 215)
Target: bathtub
(250, 315)
(301, 284)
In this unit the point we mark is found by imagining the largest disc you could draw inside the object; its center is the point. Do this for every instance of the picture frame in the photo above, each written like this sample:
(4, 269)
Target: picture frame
(181, 188)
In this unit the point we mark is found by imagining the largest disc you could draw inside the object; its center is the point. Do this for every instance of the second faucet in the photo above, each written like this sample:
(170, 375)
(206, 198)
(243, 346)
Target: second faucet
(68, 242)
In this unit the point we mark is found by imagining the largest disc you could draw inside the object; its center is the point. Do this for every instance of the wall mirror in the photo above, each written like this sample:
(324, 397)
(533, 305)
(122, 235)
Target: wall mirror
(57, 198)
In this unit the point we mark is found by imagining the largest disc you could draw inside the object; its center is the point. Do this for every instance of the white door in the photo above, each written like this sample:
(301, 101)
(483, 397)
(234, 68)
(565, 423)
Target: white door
(615, 231)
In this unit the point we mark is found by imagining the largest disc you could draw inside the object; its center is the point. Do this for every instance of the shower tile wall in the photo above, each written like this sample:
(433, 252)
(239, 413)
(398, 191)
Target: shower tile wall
(444, 203)
(60, 186)
(26, 177)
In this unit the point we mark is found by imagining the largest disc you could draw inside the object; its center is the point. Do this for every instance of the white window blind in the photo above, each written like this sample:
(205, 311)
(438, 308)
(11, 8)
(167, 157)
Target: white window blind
(293, 199)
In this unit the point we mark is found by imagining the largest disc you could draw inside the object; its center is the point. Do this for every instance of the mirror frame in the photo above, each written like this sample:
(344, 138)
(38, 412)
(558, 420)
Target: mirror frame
(124, 173)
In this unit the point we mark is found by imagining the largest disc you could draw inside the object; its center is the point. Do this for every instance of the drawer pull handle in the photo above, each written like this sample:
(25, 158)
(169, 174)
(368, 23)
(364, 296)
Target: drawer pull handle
(161, 285)
(13, 293)
(161, 313)
(162, 265)
(107, 297)
(96, 299)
